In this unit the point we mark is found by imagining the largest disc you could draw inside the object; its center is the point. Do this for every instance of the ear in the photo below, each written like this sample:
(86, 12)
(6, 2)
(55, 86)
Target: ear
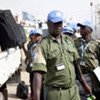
(90, 30)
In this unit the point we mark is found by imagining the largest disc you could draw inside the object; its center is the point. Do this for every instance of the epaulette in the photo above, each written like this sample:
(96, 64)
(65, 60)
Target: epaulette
(43, 38)
(68, 37)
(95, 41)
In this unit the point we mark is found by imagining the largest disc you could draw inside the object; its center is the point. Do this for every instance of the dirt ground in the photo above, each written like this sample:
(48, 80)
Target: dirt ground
(12, 86)
(13, 82)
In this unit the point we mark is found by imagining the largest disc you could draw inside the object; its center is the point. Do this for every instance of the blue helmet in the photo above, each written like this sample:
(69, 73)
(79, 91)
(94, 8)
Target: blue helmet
(86, 23)
(55, 16)
(32, 32)
(68, 29)
(74, 26)
(38, 31)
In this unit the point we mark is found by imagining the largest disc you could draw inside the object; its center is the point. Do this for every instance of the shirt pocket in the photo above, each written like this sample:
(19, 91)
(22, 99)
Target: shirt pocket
(70, 54)
(52, 54)
(52, 58)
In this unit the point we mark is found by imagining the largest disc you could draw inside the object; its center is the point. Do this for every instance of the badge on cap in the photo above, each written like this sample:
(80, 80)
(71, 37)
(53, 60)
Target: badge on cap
(58, 14)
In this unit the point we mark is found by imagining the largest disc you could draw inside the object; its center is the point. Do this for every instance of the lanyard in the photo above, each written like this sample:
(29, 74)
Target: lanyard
(83, 49)
(32, 51)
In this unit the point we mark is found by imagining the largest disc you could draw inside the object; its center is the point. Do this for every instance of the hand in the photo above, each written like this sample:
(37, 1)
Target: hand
(85, 85)
(26, 60)
(87, 89)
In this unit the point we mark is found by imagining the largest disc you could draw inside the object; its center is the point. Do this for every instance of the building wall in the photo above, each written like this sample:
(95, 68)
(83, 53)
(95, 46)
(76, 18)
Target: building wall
(97, 21)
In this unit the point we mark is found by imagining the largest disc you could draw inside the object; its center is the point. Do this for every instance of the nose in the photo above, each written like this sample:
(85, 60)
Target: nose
(59, 26)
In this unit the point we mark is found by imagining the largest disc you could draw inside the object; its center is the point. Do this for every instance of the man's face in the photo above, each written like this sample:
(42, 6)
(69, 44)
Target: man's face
(55, 28)
(32, 37)
(37, 38)
(85, 31)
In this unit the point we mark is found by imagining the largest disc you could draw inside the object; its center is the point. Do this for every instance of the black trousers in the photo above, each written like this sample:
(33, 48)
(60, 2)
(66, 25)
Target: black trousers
(31, 81)
(82, 93)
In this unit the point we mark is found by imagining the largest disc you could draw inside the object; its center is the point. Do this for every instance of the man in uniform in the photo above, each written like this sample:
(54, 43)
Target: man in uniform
(55, 61)
(89, 51)
(35, 38)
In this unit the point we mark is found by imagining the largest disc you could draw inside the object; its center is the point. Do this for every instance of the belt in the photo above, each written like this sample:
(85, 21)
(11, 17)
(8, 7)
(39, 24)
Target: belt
(57, 87)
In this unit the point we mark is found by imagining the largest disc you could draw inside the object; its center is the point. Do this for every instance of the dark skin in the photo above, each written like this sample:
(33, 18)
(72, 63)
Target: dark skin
(38, 38)
(55, 31)
(54, 28)
(86, 35)
(85, 32)
(37, 84)
(80, 77)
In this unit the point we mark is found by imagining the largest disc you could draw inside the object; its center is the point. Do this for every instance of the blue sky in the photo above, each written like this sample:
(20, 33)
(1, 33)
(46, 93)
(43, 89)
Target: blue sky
(72, 9)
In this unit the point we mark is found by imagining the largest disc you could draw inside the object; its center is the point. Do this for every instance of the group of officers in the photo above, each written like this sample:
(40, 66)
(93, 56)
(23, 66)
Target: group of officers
(60, 64)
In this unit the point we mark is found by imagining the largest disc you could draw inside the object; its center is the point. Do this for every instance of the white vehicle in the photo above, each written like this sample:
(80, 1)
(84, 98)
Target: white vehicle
(10, 61)
(12, 38)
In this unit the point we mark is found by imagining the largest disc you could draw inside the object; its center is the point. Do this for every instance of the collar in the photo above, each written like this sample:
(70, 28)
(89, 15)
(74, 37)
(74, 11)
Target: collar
(85, 41)
(63, 38)
(54, 39)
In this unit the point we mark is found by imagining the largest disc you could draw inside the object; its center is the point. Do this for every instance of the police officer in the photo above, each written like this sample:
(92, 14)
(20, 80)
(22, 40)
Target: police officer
(54, 61)
(35, 37)
(89, 51)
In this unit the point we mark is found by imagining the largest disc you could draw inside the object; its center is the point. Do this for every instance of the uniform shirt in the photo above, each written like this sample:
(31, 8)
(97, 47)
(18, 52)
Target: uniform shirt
(50, 54)
(91, 57)
(92, 53)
